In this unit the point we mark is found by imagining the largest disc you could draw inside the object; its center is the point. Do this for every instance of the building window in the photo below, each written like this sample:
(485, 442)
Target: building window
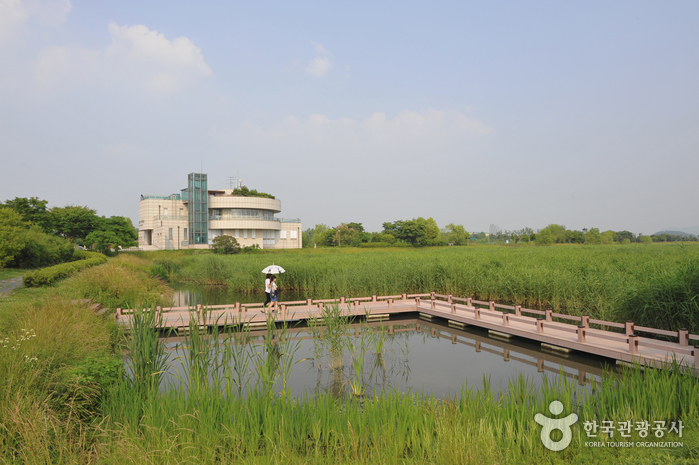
(245, 233)
(292, 235)
(282, 234)
(253, 233)
(185, 232)
(169, 233)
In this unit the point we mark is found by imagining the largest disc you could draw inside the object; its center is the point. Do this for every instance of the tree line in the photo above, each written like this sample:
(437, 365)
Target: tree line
(421, 232)
(33, 235)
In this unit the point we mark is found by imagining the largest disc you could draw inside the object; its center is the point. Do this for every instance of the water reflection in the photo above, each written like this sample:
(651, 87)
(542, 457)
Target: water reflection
(190, 296)
(415, 355)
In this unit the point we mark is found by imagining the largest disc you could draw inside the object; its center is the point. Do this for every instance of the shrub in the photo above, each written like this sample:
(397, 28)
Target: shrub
(47, 276)
(225, 245)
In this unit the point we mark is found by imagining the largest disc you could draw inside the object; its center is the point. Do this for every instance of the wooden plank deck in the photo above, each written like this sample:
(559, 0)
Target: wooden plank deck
(545, 328)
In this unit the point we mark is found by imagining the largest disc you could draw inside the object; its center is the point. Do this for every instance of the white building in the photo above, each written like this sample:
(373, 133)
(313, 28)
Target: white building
(193, 218)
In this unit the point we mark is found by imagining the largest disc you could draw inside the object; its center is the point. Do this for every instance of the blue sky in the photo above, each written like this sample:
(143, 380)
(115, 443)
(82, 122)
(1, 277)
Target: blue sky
(518, 114)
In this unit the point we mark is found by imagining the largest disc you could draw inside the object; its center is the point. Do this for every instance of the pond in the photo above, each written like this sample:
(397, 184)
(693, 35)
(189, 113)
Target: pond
(406, 354)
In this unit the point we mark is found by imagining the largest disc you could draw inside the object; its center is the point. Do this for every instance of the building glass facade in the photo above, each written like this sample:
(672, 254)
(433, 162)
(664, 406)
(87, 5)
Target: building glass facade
(198, 212)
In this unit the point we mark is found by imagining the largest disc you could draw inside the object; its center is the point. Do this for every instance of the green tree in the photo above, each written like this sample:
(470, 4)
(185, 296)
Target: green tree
(455, 234)
(593, 236)
(608, 237)
(545, 237)
(225, 245)
(11, 244)
(102, 241)
(646, 239)
(123, 229)
(74, 222)
(33, 210)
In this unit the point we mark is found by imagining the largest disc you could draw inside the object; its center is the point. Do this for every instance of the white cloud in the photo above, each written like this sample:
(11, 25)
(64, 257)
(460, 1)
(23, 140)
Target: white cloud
(409, 135)
(49, 13)
(13, 18)
(137, 58)
(15, 14)
(65, 67)
(144, 58)
(321, 64)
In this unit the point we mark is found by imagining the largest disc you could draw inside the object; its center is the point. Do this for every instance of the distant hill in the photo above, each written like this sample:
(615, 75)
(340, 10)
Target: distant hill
(673, 233)
(682, 230)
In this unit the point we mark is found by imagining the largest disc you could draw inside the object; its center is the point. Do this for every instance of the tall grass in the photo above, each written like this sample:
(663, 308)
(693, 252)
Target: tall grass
(607, 282)
(123, 282)
(207, 423)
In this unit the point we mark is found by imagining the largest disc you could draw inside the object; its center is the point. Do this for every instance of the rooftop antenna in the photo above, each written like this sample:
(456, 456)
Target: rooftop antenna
(236, 179)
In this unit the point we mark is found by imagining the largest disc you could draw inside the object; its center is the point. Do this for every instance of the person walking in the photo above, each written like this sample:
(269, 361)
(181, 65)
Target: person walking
(274, 293)
(268, 297)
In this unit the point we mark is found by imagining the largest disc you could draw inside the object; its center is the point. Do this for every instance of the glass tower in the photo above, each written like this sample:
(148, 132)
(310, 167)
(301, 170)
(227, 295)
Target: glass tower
(197, 196)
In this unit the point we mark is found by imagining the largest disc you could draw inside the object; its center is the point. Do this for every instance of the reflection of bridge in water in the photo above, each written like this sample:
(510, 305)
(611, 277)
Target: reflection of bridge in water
(555, 331)
(519, 351)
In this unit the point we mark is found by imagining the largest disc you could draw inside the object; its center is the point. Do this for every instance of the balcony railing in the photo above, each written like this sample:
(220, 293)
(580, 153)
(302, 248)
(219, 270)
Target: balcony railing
(169, 217)
(242, 217)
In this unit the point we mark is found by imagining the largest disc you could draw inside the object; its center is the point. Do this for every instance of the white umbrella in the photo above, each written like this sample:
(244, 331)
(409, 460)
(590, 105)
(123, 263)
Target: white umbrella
(273, 269)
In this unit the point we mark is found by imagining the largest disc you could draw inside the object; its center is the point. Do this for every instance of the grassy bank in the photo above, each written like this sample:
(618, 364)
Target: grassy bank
(58, 358)
(608, 282)
(204, 418)
(64, 396)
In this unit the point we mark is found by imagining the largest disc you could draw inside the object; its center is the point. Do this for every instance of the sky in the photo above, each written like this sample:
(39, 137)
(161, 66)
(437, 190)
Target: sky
(515, 114)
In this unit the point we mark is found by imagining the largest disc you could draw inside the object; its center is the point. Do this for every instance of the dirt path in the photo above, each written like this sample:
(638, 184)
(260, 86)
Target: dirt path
(7, 285)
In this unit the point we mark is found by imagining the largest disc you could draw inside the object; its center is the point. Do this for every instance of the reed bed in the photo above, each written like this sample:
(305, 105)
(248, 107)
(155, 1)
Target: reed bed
(643, 283)
(202, 418)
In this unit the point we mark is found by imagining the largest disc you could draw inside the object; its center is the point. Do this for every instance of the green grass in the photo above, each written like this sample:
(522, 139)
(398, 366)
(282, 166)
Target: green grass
(611, 282)
(9, 273)
(210, 422)
(64, 397)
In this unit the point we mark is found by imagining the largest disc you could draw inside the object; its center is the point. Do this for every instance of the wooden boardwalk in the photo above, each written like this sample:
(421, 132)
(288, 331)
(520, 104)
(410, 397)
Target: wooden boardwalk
(561, 332)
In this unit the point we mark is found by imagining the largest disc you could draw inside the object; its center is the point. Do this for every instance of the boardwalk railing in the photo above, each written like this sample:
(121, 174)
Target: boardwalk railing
(606, 338)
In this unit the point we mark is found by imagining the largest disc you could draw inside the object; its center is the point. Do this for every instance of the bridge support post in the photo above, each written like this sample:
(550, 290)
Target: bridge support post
(540, 365)
(432, 295)
(342, 300)
(309, 302)
(404, 296)
(453, 309)
(491, 305)
(629, 327)
(633, 344)
(390, 303)
(284, 311)
(518, 310)
(373, 297)
(585, 321)
(469, 302)
(505, 319)
(582, 377)
(506, 355)
(453, 338)
(581, 334)
(432, 304)
(540, 326)
(478, 313)
(449, 299)
(684, 337)
(243, 312)
(549, 314)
